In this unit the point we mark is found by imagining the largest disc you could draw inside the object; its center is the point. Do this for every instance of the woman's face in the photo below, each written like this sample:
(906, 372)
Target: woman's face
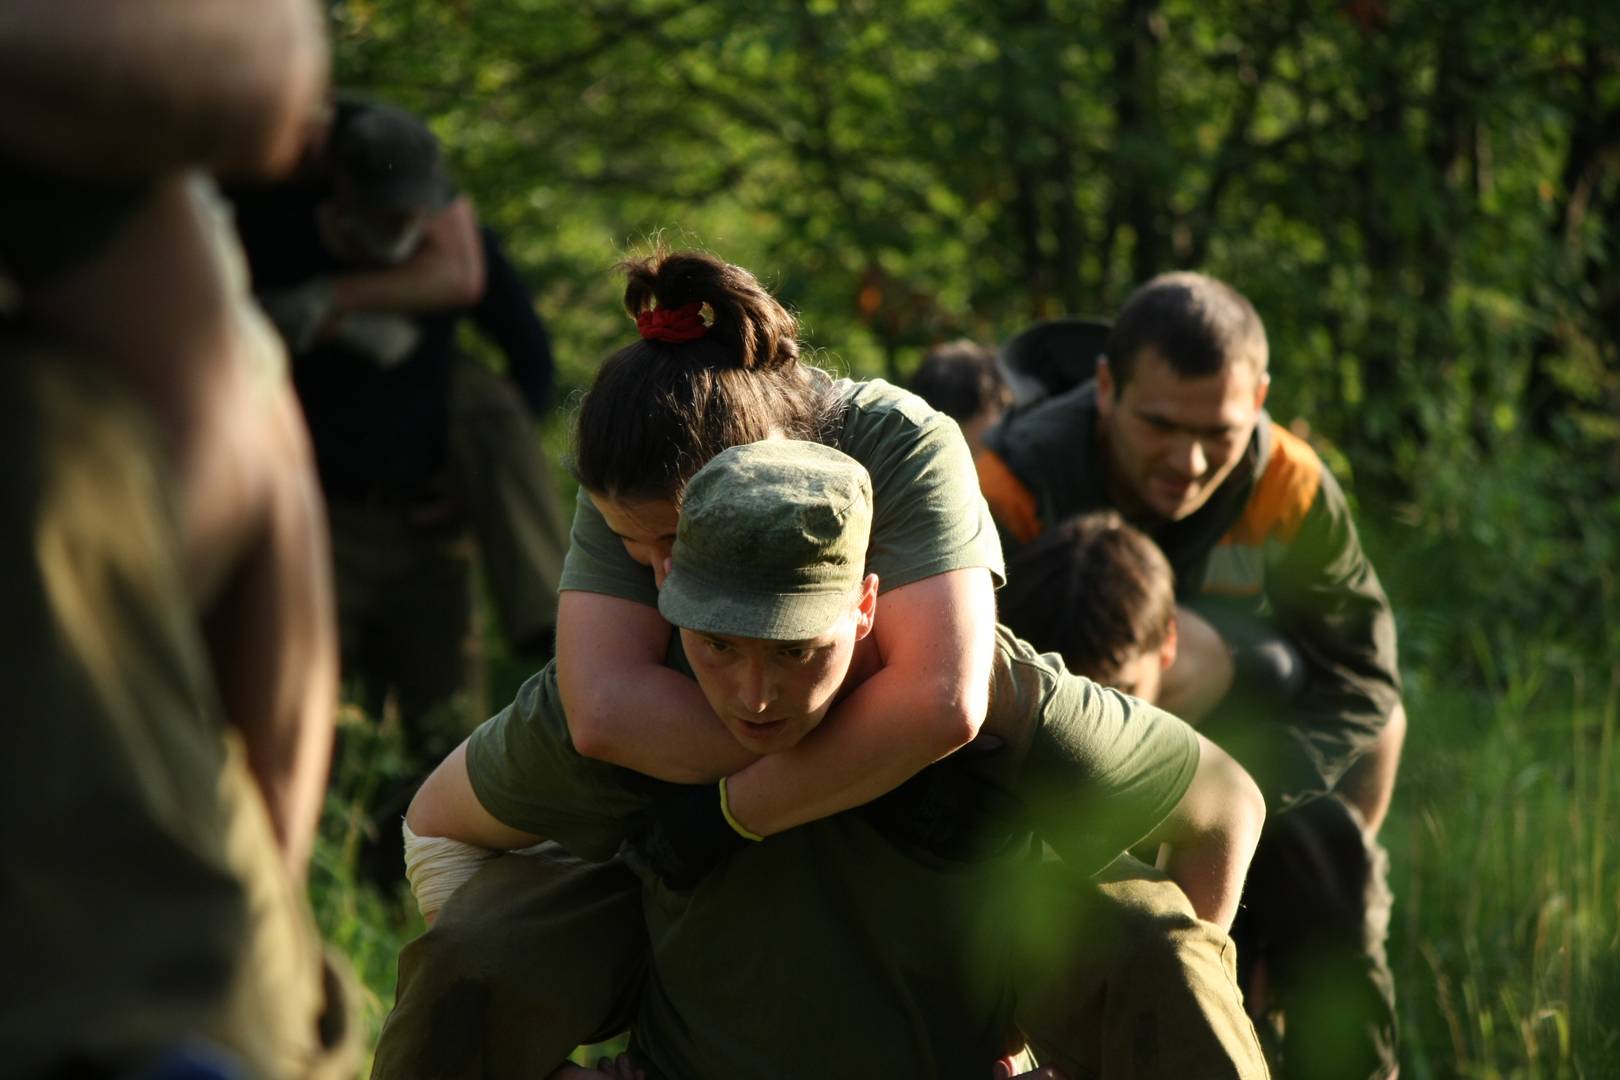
(645, 526)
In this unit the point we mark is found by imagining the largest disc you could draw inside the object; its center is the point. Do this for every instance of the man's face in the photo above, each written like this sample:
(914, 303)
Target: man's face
(1170, 440)
(771, 694)
(646, 527)
(370, 236)
(1143, 676)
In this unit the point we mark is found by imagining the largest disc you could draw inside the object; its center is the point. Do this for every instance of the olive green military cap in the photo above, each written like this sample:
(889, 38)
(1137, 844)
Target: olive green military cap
(771, 542)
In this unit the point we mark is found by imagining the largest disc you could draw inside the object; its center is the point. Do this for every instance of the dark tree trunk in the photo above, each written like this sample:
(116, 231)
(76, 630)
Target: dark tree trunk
(1137, 185)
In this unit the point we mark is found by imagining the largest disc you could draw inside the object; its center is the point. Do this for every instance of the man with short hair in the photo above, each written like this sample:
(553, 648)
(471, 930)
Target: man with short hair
(418, 445)
(960, 379)
(1101, 595)
(1172, 433)
(894, 940)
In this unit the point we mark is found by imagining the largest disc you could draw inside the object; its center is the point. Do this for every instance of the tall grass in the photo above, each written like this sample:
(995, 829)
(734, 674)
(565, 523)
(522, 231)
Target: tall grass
(366, 921)
(1506, 869)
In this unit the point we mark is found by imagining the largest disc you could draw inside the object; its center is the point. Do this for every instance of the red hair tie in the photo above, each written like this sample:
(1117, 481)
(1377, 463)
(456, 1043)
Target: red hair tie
(684, 323)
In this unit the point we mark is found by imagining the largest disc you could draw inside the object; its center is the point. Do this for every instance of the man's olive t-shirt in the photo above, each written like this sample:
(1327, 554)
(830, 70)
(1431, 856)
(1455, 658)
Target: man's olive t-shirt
(839, 948)
(928, 515)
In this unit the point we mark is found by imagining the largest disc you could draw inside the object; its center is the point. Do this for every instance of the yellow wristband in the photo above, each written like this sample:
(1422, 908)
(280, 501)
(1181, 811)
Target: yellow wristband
(725, 811)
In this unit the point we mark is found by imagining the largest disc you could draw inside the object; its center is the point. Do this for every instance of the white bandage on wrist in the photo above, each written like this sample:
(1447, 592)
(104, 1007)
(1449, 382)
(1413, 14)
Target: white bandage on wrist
(437, 866)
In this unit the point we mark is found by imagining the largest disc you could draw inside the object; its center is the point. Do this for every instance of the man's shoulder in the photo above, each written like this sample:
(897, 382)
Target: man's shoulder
(1059, 425)
(1288, 486)
(496, 258)
(1097, 769)
(1034, 465)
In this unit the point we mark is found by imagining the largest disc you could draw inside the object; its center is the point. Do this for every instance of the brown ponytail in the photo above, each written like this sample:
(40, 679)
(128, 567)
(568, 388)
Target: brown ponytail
(659, 410)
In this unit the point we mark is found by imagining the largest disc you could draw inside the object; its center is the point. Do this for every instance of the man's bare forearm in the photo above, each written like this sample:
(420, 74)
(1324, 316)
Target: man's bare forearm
(1212, 835)
(656, 721)
(272, 636)
(447, 806)
(112, 88)
(165, 309)
(446, 272)
(1210, 876)
(624, 706)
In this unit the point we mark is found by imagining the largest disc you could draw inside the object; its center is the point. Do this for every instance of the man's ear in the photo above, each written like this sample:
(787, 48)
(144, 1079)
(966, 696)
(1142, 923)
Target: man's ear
(866, 606)
(1105, 388)
(1260, 389)
(1167, 650)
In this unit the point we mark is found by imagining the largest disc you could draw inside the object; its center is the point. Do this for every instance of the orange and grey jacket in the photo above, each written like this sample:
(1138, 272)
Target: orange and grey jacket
(1275, 540)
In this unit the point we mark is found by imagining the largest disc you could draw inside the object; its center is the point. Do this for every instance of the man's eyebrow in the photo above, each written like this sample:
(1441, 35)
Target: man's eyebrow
(1202, 429)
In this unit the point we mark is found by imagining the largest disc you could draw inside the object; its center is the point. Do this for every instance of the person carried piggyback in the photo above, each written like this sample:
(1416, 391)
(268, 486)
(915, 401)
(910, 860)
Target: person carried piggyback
(920, 935)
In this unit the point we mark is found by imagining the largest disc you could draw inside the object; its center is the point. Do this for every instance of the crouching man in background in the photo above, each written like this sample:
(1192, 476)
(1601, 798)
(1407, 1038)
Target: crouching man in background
(1288, 644)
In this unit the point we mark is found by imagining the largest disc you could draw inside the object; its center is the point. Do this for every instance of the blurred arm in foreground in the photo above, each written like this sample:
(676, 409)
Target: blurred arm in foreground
(116, 108)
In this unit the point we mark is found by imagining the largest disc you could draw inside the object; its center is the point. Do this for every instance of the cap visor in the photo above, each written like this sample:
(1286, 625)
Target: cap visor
(737, 612)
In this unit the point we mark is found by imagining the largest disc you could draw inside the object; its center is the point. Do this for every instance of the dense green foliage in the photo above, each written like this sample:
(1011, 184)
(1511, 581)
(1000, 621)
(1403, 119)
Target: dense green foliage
(1422, 197)
(1417, 196)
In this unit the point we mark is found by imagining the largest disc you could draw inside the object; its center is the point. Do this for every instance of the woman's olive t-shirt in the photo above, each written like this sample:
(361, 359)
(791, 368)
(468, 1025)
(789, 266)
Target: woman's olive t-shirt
(928, 515)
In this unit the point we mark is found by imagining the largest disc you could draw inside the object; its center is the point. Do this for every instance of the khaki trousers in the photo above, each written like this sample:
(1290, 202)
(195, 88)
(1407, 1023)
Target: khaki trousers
(1315, 916)
(508, 491)
(407, 596)
(1118, 978)
(540, 953)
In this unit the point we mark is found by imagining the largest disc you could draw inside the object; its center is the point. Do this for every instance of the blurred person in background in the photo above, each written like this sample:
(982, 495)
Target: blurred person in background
(369, 265)
(1293, 659)
(169, 632)
(961, 380)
